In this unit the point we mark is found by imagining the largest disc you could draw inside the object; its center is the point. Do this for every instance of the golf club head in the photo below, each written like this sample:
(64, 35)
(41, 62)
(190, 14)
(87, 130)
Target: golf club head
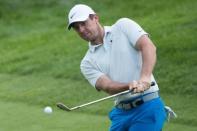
(63, 107)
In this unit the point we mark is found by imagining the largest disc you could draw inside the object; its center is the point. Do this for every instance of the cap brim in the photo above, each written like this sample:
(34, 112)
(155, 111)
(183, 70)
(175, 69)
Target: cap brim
(80, 19)
(69, 26)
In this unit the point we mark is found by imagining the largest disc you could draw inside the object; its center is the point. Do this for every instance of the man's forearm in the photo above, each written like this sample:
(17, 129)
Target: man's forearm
(115, 87)
(148, 62)
(111, 87)
(148, 51)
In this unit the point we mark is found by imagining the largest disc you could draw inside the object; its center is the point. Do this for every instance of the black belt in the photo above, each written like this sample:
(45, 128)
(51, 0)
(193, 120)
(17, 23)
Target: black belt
(138, 101)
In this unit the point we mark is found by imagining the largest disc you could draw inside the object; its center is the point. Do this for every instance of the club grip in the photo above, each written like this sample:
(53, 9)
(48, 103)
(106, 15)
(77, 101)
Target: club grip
(152, 84)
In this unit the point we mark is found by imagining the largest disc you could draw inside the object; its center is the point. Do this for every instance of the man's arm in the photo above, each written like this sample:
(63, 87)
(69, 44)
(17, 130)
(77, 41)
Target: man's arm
(100, 80)
(104, 83)
(148, 51)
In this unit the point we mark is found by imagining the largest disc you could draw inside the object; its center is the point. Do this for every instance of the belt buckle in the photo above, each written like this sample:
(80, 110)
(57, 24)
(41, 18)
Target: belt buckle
(137, 102)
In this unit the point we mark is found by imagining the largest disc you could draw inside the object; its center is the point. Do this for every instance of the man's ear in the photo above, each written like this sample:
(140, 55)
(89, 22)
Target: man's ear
(94, 16)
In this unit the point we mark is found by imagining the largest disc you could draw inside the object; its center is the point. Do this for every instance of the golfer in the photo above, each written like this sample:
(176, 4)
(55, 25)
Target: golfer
(121, 57)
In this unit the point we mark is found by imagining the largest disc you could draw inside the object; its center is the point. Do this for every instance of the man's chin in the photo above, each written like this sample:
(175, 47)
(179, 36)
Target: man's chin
(88, 39)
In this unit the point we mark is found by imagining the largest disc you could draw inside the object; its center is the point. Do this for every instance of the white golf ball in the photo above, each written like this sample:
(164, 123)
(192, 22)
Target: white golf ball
(48, 110)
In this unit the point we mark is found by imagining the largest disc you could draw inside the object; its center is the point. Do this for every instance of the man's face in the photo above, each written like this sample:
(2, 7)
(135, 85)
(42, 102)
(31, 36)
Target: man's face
(87, 30)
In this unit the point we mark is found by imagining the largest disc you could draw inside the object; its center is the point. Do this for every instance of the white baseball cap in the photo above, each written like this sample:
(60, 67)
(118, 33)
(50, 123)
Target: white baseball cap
(79, 12)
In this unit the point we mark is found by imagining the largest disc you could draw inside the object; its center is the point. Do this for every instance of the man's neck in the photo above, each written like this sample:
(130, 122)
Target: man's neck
(100, 37)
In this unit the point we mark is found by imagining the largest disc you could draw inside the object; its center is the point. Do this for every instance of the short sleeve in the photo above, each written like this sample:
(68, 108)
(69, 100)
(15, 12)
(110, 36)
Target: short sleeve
(90, 72)
(131, 29)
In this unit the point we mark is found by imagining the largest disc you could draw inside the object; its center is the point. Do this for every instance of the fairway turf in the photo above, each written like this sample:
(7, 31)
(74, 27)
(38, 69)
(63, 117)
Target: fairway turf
(39, 62)
(22, 117)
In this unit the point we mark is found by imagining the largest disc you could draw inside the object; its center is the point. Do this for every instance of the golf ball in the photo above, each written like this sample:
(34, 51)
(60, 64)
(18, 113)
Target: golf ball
(48, 110)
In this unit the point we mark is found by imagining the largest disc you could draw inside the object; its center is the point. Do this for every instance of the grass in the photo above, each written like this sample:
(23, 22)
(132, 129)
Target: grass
(32, 118)
(39, 62)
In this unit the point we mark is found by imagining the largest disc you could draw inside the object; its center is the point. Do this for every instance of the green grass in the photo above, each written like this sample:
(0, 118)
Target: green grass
(39, 62)
(32, 118)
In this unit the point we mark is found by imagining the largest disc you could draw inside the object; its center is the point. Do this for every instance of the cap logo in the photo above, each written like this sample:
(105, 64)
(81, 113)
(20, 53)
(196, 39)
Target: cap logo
(72, 15)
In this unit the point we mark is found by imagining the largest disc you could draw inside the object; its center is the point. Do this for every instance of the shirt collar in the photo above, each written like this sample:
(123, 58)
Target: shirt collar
(107, 30)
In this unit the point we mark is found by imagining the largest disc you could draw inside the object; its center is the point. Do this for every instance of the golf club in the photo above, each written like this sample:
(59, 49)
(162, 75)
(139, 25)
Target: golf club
(66, 108)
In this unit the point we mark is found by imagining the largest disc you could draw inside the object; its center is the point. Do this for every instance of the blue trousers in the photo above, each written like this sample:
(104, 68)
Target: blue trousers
(150, 116)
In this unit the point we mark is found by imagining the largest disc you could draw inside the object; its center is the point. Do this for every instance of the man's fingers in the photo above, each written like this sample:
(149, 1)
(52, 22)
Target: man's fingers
(145, 85)
(137, 87)
(133, 85)
(140, 87)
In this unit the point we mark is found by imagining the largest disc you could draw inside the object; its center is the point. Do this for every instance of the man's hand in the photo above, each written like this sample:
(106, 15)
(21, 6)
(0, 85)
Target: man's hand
(139, 86)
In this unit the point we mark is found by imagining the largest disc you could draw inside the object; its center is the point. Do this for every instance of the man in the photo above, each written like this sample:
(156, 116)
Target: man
(121, 57)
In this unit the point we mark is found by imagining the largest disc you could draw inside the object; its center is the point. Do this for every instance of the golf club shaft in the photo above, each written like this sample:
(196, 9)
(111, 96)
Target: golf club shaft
(102, 99)
(105, 98)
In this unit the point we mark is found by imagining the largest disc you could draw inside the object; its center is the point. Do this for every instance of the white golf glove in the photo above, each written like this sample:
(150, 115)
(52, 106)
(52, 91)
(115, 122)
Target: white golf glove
(170, 113)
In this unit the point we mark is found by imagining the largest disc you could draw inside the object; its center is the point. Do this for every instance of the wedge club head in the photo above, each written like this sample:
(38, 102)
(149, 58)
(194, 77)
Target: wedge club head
(63, 107)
